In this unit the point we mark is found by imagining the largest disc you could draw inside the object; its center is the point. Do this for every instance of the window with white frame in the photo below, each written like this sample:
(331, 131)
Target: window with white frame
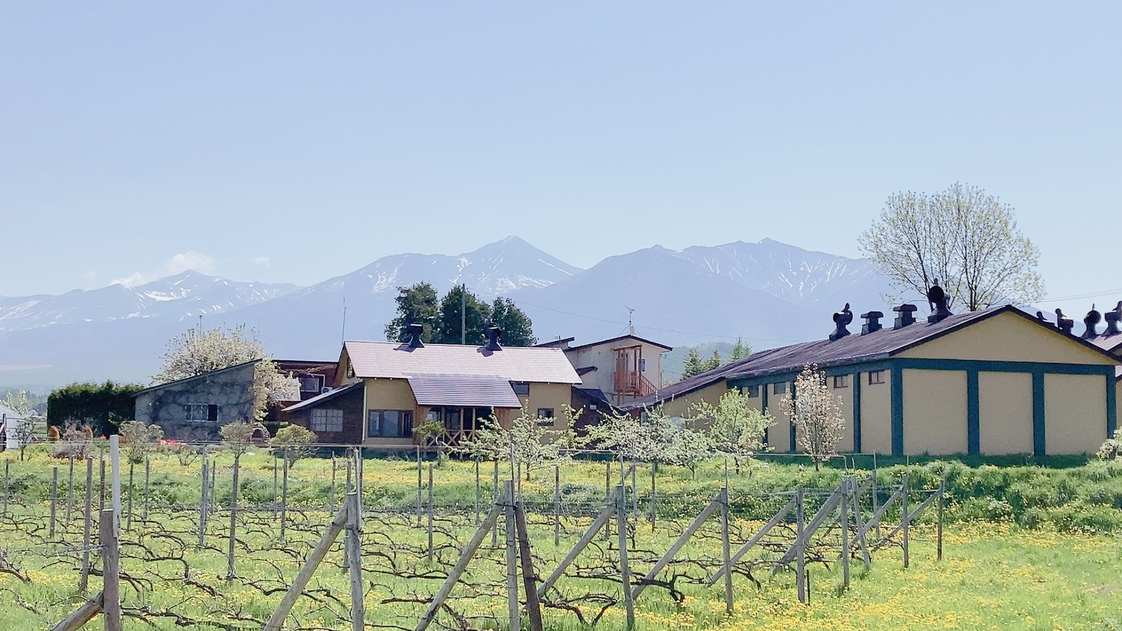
(201, 412)
(310, 383)
(327, 420)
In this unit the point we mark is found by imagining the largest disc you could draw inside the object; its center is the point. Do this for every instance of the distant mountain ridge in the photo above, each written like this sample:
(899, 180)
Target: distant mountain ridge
(768, 292)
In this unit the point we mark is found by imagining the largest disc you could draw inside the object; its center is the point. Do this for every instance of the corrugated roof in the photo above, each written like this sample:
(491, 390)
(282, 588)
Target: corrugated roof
(321, 398)
(825, 353)
(1108, 342)
(386, 360)
(463, 391)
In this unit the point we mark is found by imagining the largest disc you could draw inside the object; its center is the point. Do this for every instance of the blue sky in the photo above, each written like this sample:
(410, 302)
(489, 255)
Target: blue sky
(295, 142)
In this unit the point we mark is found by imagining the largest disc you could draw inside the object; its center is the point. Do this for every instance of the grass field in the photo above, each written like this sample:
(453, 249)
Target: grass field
(1058, 570)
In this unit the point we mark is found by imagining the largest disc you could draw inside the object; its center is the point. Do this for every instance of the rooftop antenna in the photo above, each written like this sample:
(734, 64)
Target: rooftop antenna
(343, 332)
(630, 327)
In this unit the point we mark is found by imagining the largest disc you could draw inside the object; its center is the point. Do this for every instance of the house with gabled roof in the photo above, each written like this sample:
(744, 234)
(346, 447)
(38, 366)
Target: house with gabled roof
(994, 381)
(385, 388)
(192, 409)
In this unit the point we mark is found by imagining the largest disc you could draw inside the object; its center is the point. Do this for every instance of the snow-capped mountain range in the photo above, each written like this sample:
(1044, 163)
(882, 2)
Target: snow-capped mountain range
(768, 293)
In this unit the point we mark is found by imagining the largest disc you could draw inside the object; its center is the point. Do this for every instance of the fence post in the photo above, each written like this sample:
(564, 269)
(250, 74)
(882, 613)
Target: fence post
(110, 557)
(845, 533)
(233, 521)
(939, 527)
(428, 555)
(6, 463)
(418, 485)
(800, 563)
(654, 496)
(84, 576)
(54, 499)
(624, 568)
(478, 491)
(275, 489)
(147, 474)
(128, 521)
(284, 493)
(726, 556)
(876, 498)
(533, 605)
(101, 482)
(70, 491)
(556, 505)
(513, 606)
(904, 513)
(203, 500)
(331, 490)
(354, 553)
(495, 494)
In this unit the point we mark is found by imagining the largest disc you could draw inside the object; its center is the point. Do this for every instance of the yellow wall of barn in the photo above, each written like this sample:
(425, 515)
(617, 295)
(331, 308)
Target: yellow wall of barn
(876, 414)
(681, 406)
(549, 395)
(1074, 413)
(1008, 337)
(934, 411)
(844, 396)
(779, 435)
(1005, 413)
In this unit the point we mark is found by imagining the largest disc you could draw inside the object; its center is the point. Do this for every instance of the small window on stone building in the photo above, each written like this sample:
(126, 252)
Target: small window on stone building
(201, 412)
(326, 420)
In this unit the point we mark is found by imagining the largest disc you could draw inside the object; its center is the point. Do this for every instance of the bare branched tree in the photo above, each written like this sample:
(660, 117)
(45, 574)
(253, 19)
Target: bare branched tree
(965, 238)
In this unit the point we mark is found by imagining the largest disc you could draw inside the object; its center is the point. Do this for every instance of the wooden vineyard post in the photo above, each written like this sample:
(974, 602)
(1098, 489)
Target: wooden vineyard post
(147, 475)
(939, 526)
(556, 505)
(654, 496)
(800, 562)
(360, 472)
(275, 487)
(876, 496)
(70, 491)
(84, 576)
(624, 568)
(904, 513)
(54, 500)
(5, 513)
(418, 485)
(845, 533)
(233, 522)
(276, 620)
(495, 495)
(101, 483)
(429, 526)
(128, 510)
(478, 491)
(203, 501)
(110, 557)
(513, 606)
(461, 564)
(529, 577)
(284, 493)
(331, 489)
(726, 557)
(353, 545)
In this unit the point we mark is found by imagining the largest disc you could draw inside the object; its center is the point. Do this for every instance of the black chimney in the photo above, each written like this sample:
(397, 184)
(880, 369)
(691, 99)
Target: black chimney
(905, 315)
(872, 322)
(841, 320)
(492, 332)
(1091, 321)
(1112, 318)
(414, 332)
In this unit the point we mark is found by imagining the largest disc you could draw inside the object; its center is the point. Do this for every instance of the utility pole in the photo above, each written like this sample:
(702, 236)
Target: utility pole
(463, 314)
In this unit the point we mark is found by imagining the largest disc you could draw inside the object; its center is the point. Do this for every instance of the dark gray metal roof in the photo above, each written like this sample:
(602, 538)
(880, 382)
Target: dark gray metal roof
(851, 349)
(463, 390)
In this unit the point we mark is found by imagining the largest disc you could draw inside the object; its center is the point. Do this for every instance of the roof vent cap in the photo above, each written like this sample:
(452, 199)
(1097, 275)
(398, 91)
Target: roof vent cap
(1063, 323)
(1091, 320)
(414, 332)
(938, 300)
(872, 322)
(905, 315)
(841, 319)
(492, 332)
(1112, 318)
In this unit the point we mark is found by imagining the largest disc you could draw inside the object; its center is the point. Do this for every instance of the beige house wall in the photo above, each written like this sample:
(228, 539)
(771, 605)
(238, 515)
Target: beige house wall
(1005, 413)
(549, 395)
(876, 414)
(934, 411)
(1074, 413)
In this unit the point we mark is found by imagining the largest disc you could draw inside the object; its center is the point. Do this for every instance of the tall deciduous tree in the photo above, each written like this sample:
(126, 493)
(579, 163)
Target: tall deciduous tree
(416, 304)
(963, 237)
(198, 351)
(816, 413)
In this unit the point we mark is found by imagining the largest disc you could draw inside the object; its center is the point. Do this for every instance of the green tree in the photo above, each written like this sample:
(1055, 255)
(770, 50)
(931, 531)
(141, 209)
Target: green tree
(526, 445)
(103, 407)
(198, 351)
(693, 364)
(734, 427)
(293, 441)
(963, 237)
(740, 350)
(416, 304)
(517, 328)
(457, 306)
(713, 362)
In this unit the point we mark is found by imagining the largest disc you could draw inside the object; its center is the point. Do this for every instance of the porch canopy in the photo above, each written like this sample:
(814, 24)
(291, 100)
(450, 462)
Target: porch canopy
(463, 391)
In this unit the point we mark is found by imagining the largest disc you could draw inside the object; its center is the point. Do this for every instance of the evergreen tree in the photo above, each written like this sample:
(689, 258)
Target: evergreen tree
(740, 350)
(693, 364)
(456, 307)
(415, 304)
(516, 327)
(712, 362)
